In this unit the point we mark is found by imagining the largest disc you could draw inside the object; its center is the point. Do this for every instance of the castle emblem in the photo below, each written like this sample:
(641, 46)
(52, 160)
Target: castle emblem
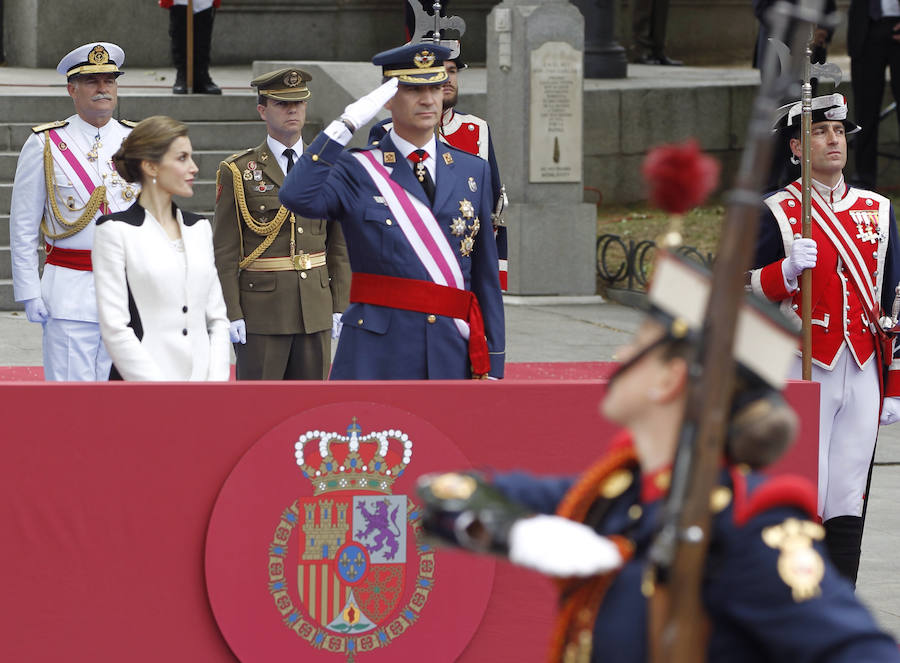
(340, 562)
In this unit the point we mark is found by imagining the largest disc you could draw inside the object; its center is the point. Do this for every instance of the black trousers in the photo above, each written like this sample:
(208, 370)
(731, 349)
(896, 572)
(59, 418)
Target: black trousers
(648, 24)
(878, 53)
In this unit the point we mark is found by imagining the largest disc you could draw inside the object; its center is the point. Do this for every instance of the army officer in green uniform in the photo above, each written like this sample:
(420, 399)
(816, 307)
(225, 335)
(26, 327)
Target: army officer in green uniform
(285, 278)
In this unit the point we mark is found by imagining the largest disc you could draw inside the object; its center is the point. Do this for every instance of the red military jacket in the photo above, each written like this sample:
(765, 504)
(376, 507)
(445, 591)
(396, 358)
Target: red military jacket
(852, 233)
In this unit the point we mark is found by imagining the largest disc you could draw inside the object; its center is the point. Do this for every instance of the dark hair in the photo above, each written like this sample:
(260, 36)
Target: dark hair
(148, 141)
(262, 100)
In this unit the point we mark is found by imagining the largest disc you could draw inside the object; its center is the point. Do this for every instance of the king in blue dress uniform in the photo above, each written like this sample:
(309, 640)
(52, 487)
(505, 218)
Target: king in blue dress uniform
(425, 296)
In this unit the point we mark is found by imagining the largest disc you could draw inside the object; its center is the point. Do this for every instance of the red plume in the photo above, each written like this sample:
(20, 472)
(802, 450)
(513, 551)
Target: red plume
(680, 176)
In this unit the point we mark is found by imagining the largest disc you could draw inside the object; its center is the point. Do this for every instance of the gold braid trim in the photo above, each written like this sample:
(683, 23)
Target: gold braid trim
(580, 598)
(270, 229)
(98, 197)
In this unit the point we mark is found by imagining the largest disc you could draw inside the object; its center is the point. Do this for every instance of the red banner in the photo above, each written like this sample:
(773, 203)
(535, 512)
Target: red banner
(145, 522)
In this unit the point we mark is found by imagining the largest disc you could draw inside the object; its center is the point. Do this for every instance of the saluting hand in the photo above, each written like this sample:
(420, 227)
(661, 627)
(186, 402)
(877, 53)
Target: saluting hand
(364, 109)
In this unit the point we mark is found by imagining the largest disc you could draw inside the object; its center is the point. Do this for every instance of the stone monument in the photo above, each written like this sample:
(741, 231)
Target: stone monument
(535, 77)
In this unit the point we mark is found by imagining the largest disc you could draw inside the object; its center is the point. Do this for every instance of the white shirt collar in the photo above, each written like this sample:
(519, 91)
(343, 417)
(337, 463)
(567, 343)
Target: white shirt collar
(90, 130)
(829, 193)
(277, 148)
(406, 148)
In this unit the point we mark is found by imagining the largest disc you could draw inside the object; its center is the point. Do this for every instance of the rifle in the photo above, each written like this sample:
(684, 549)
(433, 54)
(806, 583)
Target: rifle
(677, 556)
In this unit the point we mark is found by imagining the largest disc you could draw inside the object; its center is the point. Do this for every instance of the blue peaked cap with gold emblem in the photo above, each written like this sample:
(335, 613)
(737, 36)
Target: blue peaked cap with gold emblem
(414, 64)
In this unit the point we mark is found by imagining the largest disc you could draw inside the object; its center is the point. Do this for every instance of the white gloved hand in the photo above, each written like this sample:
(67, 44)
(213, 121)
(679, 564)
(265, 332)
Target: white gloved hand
(890, 411)
(336, 325)
(36, 310)
(237, 329)
(803, 256)
(561, 547)
(362, 110)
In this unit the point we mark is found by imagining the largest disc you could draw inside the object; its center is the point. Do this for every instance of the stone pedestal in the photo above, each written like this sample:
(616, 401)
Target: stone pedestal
(535, 88)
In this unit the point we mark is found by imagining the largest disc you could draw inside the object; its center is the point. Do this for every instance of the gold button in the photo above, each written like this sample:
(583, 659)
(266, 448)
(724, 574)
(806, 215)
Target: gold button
(299, 231)
(302, 275)
(315, 157)
(635, 511)
(389, 222)
(262, 208)
(359, 322)
(431, 318)
(249, 285)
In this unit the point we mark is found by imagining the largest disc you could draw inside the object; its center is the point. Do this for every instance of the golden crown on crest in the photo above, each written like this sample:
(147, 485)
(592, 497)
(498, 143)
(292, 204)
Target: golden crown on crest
(353, 461)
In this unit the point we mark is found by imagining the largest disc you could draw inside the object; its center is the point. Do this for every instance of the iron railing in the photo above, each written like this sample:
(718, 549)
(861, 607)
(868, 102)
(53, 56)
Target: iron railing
(626, 263)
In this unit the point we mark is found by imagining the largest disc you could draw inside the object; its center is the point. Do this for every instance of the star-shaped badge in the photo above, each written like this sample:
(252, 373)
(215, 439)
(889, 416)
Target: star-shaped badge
(458, 226)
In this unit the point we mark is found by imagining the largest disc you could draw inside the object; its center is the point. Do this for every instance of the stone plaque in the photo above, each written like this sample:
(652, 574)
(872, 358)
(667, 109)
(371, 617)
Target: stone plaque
(556, 113)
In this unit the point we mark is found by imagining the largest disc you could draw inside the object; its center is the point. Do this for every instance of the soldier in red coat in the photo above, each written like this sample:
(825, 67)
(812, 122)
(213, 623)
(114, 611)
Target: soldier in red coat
(854, 255)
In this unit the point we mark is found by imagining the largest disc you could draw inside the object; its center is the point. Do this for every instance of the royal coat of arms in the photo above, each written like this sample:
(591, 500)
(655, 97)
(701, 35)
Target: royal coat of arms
(342, 590)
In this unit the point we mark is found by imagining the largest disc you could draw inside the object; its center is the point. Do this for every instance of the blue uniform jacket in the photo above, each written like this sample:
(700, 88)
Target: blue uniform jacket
(379, 343)
(752, 612)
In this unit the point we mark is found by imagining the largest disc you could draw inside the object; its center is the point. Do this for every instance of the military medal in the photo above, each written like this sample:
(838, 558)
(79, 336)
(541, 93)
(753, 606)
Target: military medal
(458, 226)
(800, 565)
(866, 225)
(251, 165)
(262, 157)
(466, 209)
(62, 146)
(473, 187)
(475, 227)
(257, 175)
(248, 175)
(92, 154)
(128, 193)
(466, 245)
(420, 171)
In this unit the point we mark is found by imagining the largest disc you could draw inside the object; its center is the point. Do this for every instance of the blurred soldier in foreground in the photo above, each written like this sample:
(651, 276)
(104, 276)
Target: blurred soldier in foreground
(286, 278)
(770, 592)
(65, 179)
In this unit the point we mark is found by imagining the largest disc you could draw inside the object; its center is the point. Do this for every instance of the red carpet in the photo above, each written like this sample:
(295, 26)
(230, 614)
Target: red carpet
(576, 370)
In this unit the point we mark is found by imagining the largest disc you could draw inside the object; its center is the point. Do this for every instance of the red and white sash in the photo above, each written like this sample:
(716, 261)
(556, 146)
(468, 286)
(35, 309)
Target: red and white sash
(846, 248)
(65, 159)
(419, 226)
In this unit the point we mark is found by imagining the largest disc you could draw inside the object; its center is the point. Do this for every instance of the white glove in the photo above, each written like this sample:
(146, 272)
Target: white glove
(237, 329)
(890, 411)
(35, 310)
(336, 325)
(803, 256)
(362, 110)
(561, 547)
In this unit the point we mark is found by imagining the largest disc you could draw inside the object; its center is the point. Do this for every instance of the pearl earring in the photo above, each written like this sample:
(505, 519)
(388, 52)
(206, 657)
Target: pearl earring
(154, 180)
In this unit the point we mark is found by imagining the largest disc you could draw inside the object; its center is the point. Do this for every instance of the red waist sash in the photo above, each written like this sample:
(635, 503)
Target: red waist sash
(427, 297)
(79, 259)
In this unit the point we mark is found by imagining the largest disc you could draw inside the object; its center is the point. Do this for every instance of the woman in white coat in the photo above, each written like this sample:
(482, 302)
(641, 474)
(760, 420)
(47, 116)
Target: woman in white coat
(162, 315)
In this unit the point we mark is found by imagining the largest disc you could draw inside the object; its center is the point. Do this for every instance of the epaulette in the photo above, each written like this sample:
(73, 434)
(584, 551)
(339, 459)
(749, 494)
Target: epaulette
(131, 124)
(49, 125)
(780, 491)
(237, 155)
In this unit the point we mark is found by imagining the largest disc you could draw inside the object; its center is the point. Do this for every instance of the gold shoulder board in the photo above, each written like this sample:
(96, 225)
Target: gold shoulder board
(131, 124)
(49, 125)
(237, 155)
